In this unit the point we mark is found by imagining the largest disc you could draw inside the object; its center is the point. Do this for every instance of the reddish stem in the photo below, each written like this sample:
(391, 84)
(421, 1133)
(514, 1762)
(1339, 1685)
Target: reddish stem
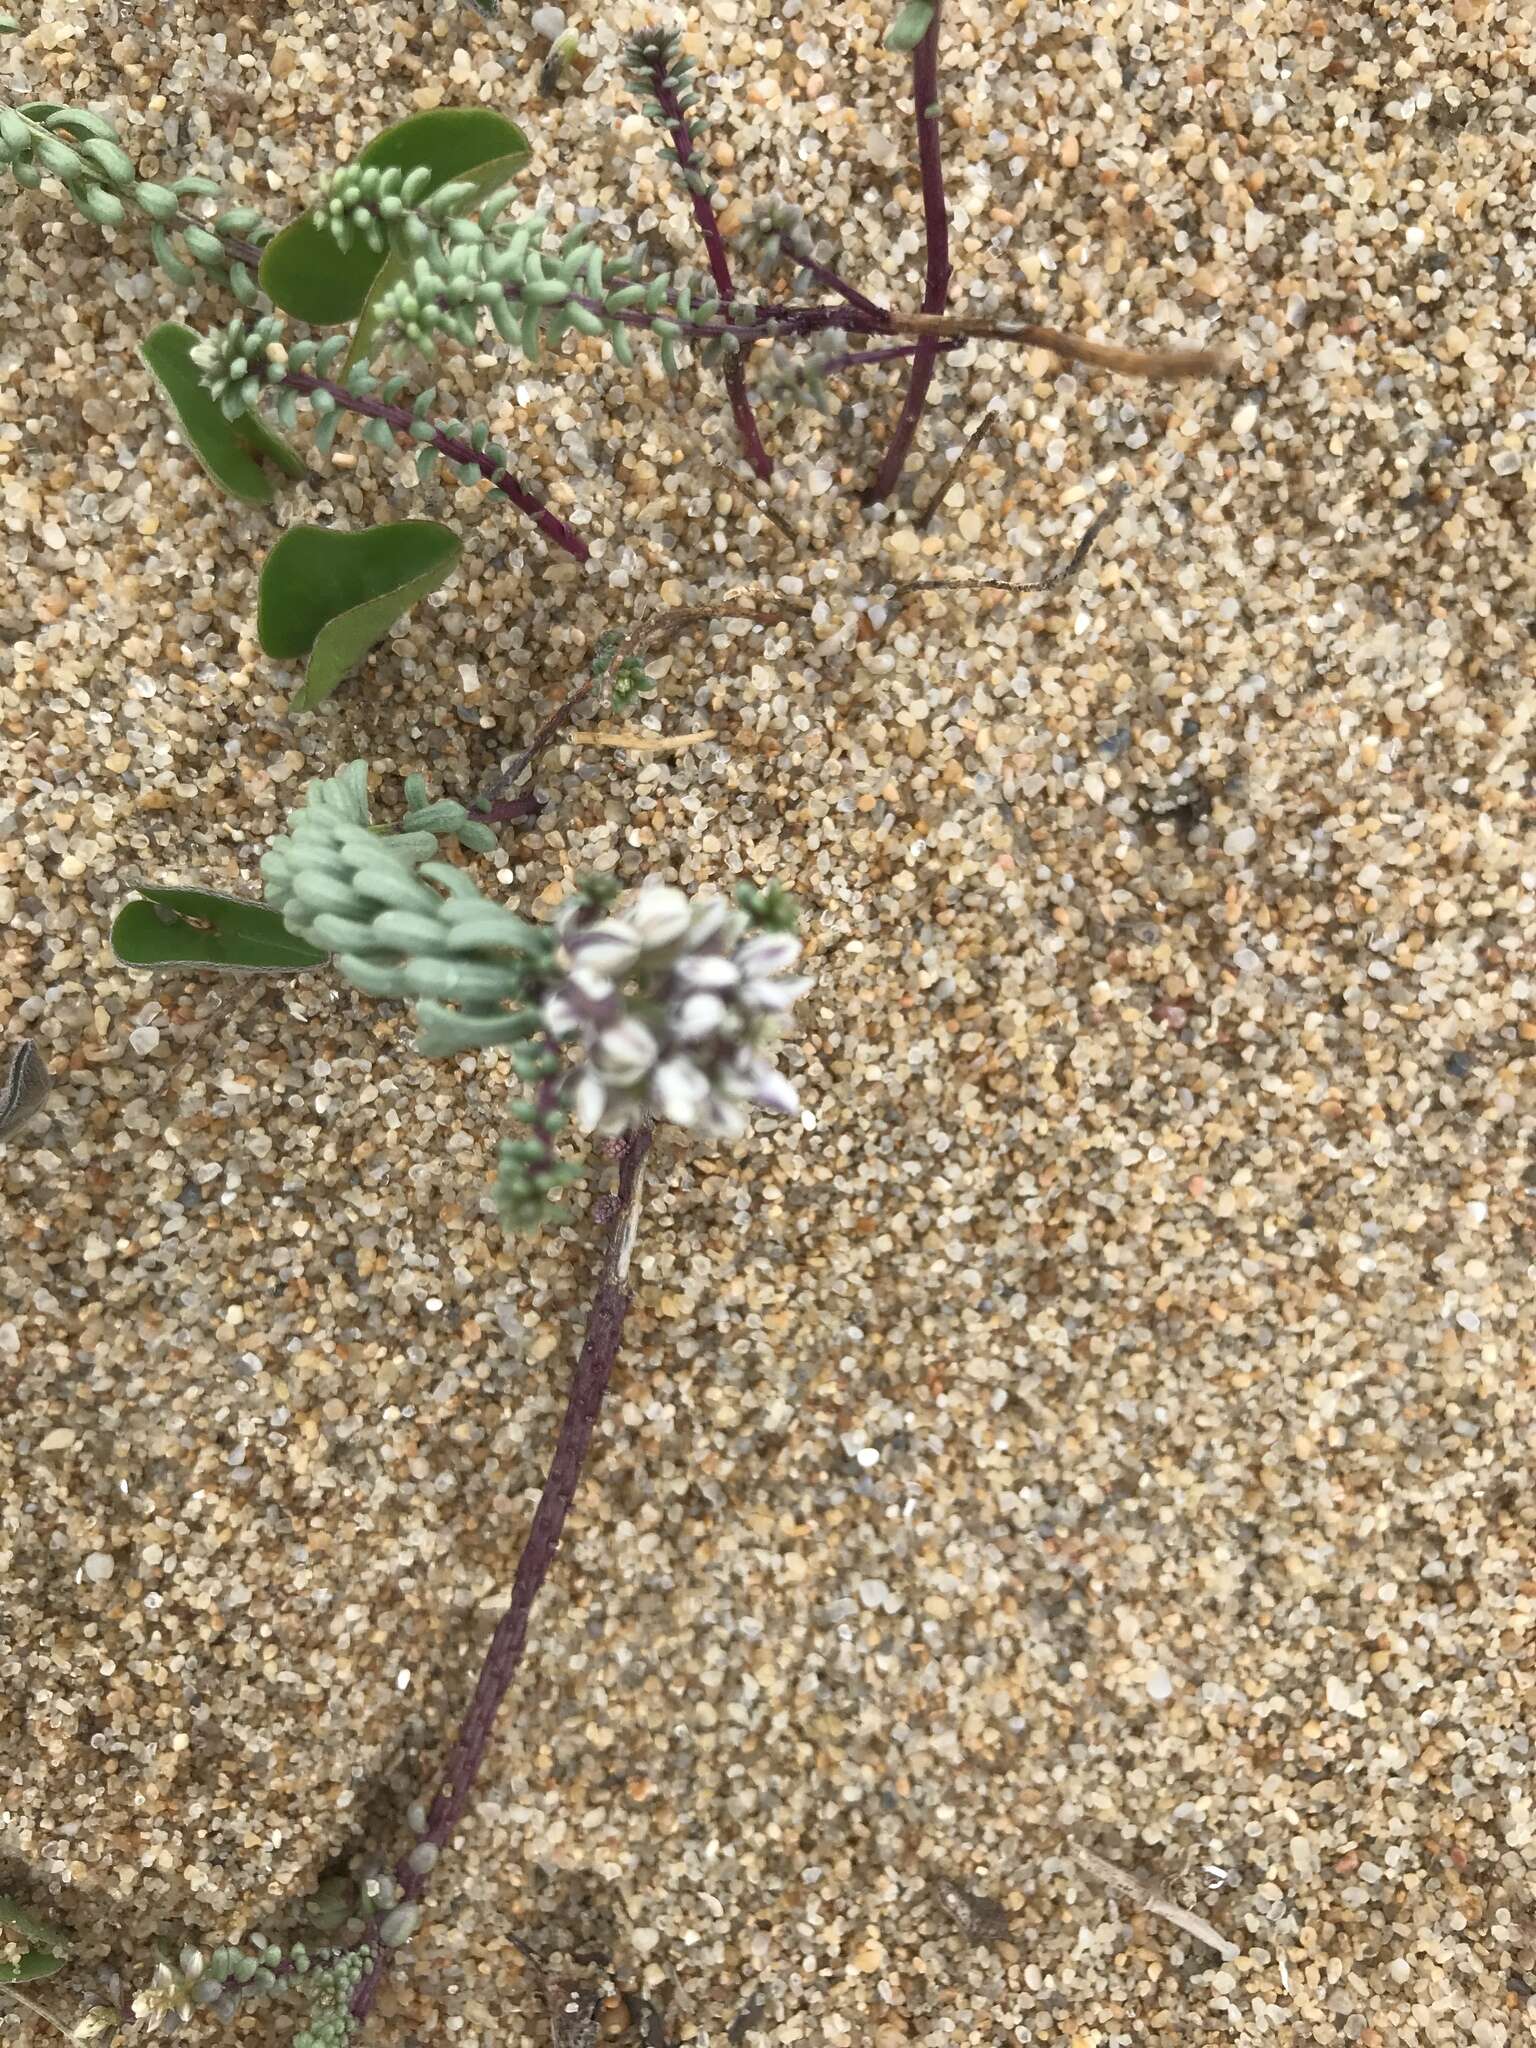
(589, 1383)
(719, 269)
(835, 281)
(452, 450)
(930, 156)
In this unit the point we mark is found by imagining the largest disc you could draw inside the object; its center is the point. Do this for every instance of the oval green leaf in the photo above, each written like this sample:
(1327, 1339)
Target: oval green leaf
(302, 269)
(32, 1964)
(233, 452)
(204, 928)
(333, 595)
(46, 1946)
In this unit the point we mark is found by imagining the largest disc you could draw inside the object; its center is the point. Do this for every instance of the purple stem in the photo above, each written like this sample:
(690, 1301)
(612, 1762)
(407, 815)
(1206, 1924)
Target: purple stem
(834, 281)
(589, 1383)
(925, 91)
(451, 449)
(509, 810)
(719, 268)
(235, 246)
(754, 322)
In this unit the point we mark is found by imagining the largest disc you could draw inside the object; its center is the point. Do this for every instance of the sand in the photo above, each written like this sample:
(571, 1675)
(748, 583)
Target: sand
(1102, 1420)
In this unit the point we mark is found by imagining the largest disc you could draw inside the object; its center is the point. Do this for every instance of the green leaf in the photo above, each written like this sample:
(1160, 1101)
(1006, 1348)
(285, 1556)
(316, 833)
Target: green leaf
(46, 1949)
(232, 451)
(302, 269)
(910, 26)
(205, 928)
(333, 595)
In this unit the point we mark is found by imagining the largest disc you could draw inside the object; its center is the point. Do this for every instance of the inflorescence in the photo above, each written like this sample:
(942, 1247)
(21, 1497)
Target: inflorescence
(223, 1981)
(671, 1007)
(662, 77)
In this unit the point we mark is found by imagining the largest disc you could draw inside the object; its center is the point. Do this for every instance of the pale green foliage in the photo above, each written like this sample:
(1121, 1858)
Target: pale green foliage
(405, 924)
(446, 816)
(910, 26)
(792, 378)
(402, 923)
(461, 271)
(248, 360)
(778, 234)
(655, 66)
(83, 152)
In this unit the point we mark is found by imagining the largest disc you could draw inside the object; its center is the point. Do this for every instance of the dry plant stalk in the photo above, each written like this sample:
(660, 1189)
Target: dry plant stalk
(1128, 1886)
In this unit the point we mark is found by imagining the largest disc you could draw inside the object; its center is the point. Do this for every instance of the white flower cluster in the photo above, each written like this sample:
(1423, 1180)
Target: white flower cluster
(675, 1003)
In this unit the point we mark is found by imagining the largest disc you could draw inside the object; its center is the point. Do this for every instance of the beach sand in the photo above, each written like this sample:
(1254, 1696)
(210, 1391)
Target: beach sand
(1101, 1421)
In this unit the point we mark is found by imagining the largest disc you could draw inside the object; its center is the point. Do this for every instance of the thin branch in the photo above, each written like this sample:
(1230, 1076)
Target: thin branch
(1052, 580)
(1073, 348)
(836, 282)
(961, 455)
(925, 93)
(676, 118)
(897, 352)
(759, 505)
(451, 449)
(1137, 1888)
(666, 625)
(589, 1383)
(41, 2011)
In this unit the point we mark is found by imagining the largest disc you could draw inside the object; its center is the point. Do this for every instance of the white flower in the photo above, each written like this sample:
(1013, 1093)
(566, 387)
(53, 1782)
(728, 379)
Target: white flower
(779, 994)
(709, 915)
(673, 1005)
(625, 1052)
(697, 1016)
(679, 1090)
(761, 1082)
(722, 1119)
(604, 948)
(561, 1015)
(168, 1998)
(660, 915)
(707, 970)
(589, 1099)
(770, 953)
(590, 982)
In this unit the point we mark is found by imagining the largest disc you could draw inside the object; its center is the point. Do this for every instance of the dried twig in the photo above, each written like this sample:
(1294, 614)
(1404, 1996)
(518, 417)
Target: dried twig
(40, 2011)
(961, 455)
(1136, 1888)
(1052, 580)
(758, 503)
(1175, 363)
(643, 742)
(769, 611)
